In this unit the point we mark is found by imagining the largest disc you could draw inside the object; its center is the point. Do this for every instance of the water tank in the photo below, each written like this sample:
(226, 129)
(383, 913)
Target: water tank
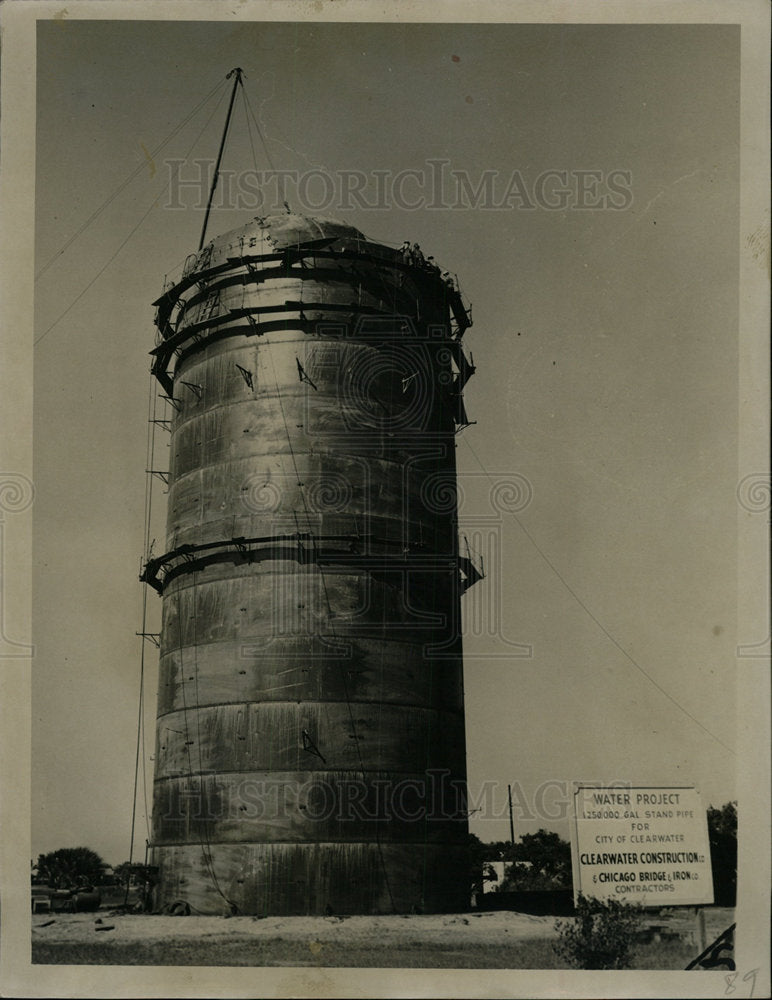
(310, 753)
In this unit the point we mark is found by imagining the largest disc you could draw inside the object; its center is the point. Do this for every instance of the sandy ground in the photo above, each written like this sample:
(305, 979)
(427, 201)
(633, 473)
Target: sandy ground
(498, 927)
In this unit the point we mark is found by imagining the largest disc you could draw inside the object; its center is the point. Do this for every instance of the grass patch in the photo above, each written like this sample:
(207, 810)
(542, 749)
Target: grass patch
(531, 953)
(664, 955)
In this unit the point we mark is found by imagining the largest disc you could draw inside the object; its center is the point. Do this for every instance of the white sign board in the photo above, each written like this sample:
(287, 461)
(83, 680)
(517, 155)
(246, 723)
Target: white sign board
(641, 845)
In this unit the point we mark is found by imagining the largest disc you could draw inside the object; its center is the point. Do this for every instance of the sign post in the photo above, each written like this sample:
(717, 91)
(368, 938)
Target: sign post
(645, 845)
(701, 936)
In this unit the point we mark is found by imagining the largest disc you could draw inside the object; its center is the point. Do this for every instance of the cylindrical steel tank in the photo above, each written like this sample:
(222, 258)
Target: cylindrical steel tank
(310, 753)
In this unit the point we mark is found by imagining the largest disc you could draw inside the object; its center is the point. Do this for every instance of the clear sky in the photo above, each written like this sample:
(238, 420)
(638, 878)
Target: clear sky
(606, 343)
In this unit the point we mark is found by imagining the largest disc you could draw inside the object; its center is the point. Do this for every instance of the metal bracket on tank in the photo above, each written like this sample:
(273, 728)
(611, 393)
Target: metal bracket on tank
(310, 747)
(241, 545)
(170, 399)
(194, 387)
(246, 374)
(302, 374)
(254, 325)
(470, 574)
(154, 637)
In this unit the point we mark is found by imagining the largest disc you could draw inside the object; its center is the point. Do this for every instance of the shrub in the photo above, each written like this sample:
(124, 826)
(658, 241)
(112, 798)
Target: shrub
(600, 936)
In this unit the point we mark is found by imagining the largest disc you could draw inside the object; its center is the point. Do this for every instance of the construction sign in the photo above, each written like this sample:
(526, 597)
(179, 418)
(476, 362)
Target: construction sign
(642, 845)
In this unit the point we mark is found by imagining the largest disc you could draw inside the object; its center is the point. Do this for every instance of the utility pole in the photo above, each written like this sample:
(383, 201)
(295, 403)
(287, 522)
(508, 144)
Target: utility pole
(511, 823)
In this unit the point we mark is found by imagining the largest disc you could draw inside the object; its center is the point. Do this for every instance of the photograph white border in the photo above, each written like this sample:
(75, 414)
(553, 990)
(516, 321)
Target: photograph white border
(17, 976)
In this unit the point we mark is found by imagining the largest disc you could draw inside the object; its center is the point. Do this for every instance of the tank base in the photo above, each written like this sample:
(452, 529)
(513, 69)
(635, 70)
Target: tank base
(312, 879)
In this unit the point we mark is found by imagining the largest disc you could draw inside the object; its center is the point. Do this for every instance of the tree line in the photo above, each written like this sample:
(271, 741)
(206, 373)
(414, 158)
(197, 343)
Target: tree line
(537, 861)
(542, 860)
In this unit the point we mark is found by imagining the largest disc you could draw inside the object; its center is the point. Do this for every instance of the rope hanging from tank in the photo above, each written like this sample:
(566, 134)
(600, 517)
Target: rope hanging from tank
(101, 271)
(149, 543)
(249, 129)
(279, 179)
(145, 635)
(342, 671)
(204, 842)
(137, 170)
(596, 620)
(354, 733)
(204, 827)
